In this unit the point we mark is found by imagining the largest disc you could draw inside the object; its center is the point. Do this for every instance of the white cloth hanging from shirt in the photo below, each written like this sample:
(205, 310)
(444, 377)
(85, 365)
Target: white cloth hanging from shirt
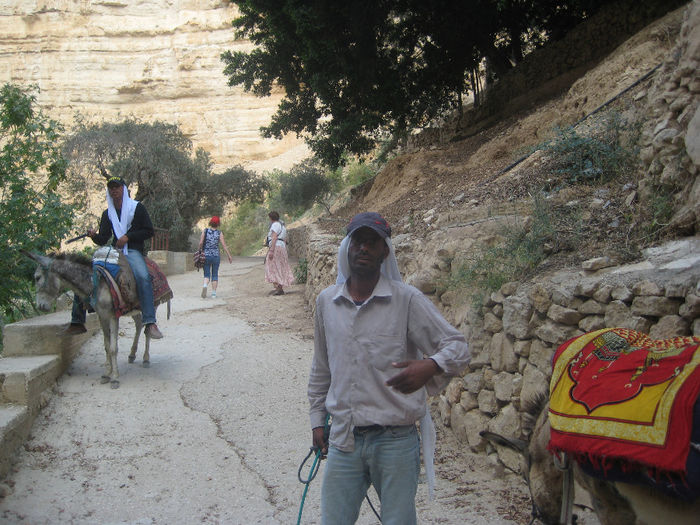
(122, 223)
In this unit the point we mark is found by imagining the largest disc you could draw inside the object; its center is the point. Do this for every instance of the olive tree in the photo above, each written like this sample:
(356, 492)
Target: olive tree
(175, 184)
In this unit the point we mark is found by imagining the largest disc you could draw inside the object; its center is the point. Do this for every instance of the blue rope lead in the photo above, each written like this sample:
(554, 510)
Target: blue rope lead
(314, 466)
(312, 474)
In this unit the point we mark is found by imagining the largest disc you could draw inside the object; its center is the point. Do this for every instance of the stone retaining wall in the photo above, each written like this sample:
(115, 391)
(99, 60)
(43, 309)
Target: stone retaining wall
(523, 324)
(671, 140)
(587, 43)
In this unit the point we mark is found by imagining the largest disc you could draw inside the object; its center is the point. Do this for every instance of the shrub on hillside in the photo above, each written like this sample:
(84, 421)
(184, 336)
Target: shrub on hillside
(304, 185)
(301, 271)
(604, 151)
(246, 229)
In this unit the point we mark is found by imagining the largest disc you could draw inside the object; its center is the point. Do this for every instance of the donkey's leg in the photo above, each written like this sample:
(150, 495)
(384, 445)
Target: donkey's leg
(106, 336)
(113, 349)
(147, 352)
(138, 324)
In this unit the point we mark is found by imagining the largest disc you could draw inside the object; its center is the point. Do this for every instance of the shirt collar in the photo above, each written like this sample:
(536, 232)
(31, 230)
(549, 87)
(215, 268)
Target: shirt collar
(381, 289)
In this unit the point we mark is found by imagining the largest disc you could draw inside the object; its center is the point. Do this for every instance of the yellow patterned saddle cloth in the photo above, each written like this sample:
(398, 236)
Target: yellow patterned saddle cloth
(618, 396)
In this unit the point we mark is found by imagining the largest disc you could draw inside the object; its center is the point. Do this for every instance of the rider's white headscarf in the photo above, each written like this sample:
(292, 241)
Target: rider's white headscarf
(121, 224)
(390, 269)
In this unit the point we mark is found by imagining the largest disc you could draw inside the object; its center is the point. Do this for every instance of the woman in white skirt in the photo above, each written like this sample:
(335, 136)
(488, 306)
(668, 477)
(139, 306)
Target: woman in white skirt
(277, 270)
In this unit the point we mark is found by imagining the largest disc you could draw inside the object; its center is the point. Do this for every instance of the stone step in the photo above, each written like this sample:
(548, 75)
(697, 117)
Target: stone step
(44, 335)
(25, 387)
(24, 380)
(15, 424)
(35, 353)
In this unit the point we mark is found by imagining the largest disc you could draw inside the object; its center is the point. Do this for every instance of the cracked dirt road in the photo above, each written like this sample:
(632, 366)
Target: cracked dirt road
(214, 431)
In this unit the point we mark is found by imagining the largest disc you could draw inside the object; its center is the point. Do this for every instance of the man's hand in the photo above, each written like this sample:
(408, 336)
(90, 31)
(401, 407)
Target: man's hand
(121, 241)
(317, 434)
(414, 375)
(91, 233)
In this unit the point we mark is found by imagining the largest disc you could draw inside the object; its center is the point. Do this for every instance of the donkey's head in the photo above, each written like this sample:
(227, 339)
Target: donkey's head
(48, 285)
(543, 478)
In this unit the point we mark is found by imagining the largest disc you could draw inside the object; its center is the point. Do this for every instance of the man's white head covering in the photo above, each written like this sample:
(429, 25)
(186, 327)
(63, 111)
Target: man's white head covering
(122, 223)
(390, 269)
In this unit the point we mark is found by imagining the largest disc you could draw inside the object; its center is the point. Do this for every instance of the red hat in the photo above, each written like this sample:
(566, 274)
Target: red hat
(214, 221)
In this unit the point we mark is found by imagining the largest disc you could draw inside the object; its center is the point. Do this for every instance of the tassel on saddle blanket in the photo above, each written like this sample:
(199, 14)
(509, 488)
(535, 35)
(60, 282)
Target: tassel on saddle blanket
(618, 397)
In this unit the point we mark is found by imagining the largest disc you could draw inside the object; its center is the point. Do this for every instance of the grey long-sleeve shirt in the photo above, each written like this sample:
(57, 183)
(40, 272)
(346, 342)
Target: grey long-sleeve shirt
(355, 347)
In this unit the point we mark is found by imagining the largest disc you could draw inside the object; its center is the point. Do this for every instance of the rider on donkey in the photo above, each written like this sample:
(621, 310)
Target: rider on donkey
(128, 224)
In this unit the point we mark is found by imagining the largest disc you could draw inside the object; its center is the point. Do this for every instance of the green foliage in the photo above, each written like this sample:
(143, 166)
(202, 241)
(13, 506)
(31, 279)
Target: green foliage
(357, 173)
(515, 257)
(245, 233)
(305, 184)
(660, 208)
(32, 216)
(177, 187)
(596, 156)
(301, 271)
(352, 69)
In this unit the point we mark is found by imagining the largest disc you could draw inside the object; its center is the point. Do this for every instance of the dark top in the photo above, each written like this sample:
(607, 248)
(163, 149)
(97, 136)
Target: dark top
(140, 230)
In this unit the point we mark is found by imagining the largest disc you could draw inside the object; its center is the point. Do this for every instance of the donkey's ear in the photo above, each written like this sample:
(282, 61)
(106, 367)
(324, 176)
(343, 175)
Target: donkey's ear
(516, 444)
(28, 254)
(41, 259)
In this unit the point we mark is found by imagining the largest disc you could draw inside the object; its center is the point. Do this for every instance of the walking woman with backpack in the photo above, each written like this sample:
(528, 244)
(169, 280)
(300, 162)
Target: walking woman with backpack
(209, 241)
(277, 269)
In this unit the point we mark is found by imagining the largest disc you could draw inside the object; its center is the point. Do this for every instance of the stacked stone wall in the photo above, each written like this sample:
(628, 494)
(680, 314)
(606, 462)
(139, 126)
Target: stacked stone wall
(587, 43)
(546, 71)
(525, 323)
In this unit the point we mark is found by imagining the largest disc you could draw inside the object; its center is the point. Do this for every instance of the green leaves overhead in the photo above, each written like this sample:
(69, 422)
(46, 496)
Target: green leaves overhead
(356, 70)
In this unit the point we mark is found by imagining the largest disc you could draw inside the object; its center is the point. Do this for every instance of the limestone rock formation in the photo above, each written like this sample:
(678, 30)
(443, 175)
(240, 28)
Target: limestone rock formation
(151, 59)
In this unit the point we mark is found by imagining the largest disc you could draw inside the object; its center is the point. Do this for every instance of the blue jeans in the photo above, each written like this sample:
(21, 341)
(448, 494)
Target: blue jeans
(211, 267)
(388, 459)
(144, 287)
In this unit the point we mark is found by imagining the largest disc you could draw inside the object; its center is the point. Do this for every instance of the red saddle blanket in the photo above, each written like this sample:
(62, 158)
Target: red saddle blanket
(618, 396)
(123, 289)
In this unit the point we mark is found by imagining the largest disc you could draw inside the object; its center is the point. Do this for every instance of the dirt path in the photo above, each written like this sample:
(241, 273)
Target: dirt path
(214, 431)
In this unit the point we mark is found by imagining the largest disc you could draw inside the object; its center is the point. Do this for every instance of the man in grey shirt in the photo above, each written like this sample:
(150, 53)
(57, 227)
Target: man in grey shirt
(381, 347)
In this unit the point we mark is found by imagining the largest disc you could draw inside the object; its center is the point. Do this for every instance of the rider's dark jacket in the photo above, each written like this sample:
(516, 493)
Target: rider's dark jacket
(141, 229)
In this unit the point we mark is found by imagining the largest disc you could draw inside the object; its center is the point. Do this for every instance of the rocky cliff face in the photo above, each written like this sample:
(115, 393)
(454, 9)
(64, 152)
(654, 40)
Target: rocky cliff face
(151, 59)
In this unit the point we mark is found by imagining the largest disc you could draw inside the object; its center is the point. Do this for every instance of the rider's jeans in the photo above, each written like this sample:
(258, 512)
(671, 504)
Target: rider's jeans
(387, 458)
(143, 285)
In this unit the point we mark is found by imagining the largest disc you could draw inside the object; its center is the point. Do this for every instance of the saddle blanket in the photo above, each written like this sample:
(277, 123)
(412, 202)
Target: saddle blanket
(619, 398)
(122, 286)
